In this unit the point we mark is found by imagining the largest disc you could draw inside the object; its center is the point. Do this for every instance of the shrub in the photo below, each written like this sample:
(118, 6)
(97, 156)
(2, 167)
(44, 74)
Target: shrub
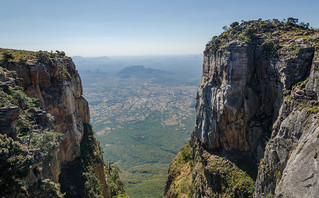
(60, 53)
(44, 57)
(47, 141)
(113, 174)
(92, 188)
(5, 99)
(22, 100)
(234, 24)
(292, 21)
(187, 153)
(14, 166)
(44, 189)
(22, 61)
(6, 56)
(269, 49)
(64, 71)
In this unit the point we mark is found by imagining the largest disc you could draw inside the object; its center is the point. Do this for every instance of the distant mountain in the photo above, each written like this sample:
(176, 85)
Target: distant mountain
(139, 71)
(185, 65)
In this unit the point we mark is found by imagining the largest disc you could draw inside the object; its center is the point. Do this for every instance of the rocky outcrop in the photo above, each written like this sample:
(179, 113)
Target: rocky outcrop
(56, 85)
(8, 120)
(240, 94)
(59, 89)
(289, 167)
(256, 112)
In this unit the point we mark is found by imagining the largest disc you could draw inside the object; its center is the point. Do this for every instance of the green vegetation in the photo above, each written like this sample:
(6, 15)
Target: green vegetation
(22, 100)
(22, 61)
(14, 166)
(137, 146)
(270, 196)
(92, 186)
(44, 57)
(24, 57)
(140, 137)
(181, 173)
(35, 147)
(6, 100)
(274, 33)
(45, 188)
(82, 173)
(187, 155)
(90, 153)
(60, 54)
(113, 175)
(17, 98)
(7, 56)
(64, 71)
(47, 142)
(233, 180)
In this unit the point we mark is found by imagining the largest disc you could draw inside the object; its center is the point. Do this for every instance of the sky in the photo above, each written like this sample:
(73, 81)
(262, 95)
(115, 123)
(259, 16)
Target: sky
(134, 27)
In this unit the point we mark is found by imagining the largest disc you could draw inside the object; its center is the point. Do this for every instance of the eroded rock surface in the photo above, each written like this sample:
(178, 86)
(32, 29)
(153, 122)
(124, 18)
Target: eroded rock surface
(257, 110)
(60, 108)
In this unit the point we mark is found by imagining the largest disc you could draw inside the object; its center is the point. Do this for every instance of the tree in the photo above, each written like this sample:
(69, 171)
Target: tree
(48, 142)
(234, 24)
(6, 56)
(113, 175)
(22, 61)
(92, 187)
(60, 53)
(304, 25)
(45, 188)
(14, 166)
(43, 57)
(292, 20)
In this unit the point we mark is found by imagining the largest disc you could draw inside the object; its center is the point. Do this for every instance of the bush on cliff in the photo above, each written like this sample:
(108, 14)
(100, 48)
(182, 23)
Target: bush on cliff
(7, 56)
(113, 174)
(14, 166)
(44, 57)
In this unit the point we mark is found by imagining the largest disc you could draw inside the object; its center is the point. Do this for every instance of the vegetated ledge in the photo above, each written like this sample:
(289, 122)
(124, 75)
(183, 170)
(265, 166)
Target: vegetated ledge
(273, 34)
(250, 73)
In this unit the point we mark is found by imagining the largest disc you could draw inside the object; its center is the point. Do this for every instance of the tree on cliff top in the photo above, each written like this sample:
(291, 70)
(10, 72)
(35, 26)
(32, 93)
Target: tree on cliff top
(6, 56)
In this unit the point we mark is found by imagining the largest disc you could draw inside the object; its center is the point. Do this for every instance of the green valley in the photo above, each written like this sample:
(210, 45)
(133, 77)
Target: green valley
(142, 118)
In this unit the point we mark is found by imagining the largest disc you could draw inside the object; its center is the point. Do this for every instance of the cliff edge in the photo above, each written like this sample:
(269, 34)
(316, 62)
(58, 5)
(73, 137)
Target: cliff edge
(43, 109)
(256, 113)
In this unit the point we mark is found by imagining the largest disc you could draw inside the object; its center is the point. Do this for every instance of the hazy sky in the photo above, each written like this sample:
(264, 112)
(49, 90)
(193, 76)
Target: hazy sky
(134, 27)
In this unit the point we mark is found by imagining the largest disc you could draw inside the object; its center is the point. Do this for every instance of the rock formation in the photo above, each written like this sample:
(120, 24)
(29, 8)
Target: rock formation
(56, 84)
(257, 107)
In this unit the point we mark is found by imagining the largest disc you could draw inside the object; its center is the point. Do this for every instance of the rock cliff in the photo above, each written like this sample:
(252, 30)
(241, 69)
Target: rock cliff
(257, 106)
(51, 89)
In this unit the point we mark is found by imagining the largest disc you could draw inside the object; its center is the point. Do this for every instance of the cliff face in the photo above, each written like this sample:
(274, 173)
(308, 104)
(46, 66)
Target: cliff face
(56, 84)
(289, 167)
(60, 94)
(259, 83)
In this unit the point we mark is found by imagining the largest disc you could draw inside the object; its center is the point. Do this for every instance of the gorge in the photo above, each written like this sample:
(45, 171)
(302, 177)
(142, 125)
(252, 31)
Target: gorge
(256, 126)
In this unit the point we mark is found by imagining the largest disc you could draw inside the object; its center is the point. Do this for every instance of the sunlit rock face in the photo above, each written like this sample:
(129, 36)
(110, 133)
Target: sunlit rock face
(63, 109)
(257, 106)
(240, 94)
(59, 89)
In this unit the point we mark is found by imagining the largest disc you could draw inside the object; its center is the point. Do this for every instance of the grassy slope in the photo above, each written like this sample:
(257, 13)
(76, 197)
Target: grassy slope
(180, 171)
